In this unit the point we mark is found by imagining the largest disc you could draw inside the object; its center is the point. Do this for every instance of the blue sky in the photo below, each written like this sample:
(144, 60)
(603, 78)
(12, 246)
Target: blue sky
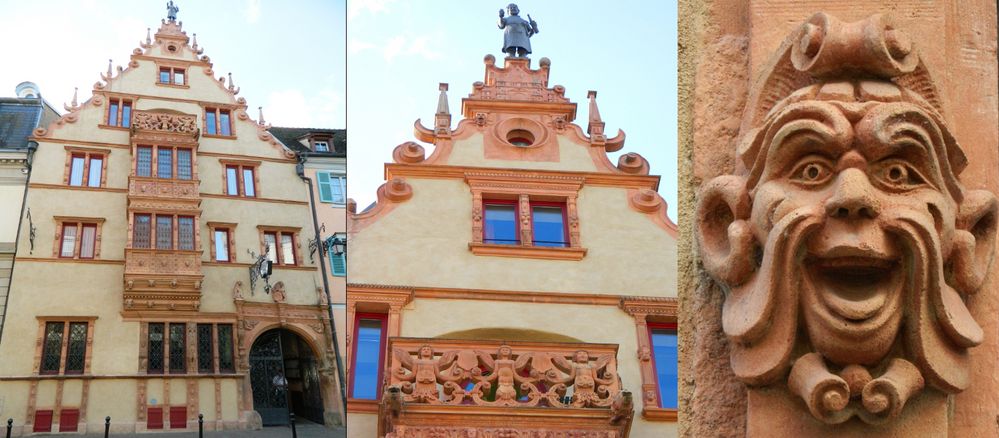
(399, 50)
(286, 56)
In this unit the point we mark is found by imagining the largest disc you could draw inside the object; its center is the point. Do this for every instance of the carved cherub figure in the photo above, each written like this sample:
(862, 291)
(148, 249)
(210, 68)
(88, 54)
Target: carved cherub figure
(504, 373)
(421, 375)
(585, 377)
(846, 206)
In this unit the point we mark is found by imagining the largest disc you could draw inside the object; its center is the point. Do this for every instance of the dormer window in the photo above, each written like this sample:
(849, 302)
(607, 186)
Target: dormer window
(321, 146)
(172, 76)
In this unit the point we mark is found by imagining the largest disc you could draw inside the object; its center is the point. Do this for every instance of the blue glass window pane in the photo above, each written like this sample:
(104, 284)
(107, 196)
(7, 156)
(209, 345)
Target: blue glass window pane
(224, 122)
(113, 114)
(231, 181)
(664, 349)
(500, 224)
(165, 76)
(248, 188)
(144, 165)
(94, 177)
(164, 163)
(76, 172)
(548, 227)
(210, 121)
(126, 114)
(164, 232)
(366, 363)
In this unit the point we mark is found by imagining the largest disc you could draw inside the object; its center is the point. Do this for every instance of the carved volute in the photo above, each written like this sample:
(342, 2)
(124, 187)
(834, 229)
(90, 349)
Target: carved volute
(845, 242)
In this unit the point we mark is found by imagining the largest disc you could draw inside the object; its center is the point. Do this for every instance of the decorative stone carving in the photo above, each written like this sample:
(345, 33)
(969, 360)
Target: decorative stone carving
(845, 206)
(409, 152)
(396, 190)
(177, 123)
(277, 292)
(633, 163)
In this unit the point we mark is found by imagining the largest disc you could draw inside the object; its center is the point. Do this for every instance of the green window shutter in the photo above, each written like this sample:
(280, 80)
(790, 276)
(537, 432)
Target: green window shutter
(338, 263)
(325, 192)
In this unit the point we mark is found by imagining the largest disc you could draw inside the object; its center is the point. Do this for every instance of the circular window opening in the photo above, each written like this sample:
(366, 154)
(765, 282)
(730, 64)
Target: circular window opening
(172, 48)
(520, 137)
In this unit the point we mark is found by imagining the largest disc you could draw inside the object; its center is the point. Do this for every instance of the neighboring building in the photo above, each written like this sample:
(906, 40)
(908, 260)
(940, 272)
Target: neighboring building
(323, 154)
(515, 282)
(132, 294)
(19, 116)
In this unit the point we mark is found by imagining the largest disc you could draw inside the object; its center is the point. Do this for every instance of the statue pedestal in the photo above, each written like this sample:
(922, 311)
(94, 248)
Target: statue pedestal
(774, 412)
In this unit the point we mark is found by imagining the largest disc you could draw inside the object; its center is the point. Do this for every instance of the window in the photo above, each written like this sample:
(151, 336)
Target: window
(222, 245)
(500, 223)
(332, 188)
(548, 224)
(171, 162)
(338, 263)
(162, 236)
(77, 238)
(368, 356)
(215, 341)
(86, 168)
(241, 179)
(64, 347)
(218, 122)
(166, 343)
(321, 146)
(119, 112)
(172, 76)
(662, 337)
(280, 246)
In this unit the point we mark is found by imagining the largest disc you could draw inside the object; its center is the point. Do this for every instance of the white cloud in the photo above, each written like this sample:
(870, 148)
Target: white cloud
(252, 11)
(355, 7)
(404, 45)
(292, 107)
(355, 46)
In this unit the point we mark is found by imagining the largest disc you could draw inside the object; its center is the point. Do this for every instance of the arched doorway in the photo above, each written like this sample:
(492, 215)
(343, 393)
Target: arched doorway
(284, 372)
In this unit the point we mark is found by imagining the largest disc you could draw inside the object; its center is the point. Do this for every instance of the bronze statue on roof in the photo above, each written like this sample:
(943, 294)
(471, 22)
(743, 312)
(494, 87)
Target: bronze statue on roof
(517, 32)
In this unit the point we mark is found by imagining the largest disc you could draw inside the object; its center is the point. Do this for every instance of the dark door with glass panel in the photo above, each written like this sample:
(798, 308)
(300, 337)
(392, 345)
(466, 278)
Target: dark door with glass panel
(267, 379)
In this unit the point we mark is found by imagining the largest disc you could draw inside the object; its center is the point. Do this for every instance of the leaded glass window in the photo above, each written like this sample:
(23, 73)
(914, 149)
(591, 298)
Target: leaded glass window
(140, 234)
(205, 349)
(52, 347)
(184, 163)
(144, 161)
(164, 232)
(76, 352)
(177, 348)
(164, 163)
(185, 233)
(155, 344)
(226, 364)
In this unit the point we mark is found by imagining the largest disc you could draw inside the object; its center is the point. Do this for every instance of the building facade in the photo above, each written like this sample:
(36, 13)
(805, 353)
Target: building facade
(140, 289)
(514, 282)
(19, 116)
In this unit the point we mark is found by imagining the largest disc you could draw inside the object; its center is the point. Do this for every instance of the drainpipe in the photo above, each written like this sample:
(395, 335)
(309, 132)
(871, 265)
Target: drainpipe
(32, 146)
(300, 169)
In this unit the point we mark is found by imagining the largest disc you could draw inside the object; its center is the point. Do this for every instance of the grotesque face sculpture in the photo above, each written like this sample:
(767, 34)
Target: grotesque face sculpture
(845, 241)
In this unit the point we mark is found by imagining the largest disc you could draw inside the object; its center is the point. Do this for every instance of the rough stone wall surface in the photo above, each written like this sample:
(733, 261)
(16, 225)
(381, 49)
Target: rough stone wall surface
(722, 47)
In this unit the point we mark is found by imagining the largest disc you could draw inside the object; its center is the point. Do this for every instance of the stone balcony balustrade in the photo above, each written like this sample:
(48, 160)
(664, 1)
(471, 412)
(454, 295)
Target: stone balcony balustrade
(436, 386)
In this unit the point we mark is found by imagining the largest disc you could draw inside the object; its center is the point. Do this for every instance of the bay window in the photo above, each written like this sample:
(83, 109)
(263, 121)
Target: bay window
(164, 231)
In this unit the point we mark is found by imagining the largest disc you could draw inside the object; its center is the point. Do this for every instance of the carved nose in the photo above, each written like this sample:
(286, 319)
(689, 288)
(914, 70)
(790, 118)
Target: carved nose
(853, 198)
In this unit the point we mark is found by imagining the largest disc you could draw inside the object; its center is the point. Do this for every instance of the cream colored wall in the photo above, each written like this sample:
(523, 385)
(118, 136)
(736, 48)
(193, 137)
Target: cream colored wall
(471, 152)
(424, 242)
(144, 81)
(11, 195)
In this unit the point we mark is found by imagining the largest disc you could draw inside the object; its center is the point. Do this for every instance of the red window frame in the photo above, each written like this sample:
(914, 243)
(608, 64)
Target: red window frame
(383, 318)
(215, 245)
(62, 240)
(655, 371)
(516, 218)
(119, 104)
(241, 180)
(87, 161)
(154, 157)
(93, 246)
(565, 219)
(62, 348)
(171, 75)
(278, 252)
(216, 113)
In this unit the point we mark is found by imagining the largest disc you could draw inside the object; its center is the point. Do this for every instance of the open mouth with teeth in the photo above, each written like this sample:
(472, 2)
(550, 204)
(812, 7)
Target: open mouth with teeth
(855, 283)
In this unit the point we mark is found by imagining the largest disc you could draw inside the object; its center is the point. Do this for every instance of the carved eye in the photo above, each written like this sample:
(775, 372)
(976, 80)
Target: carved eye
(899, 175)
(812, 171)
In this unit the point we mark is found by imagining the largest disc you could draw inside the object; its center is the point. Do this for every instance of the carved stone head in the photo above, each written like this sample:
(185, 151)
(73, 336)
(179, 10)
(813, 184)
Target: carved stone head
(426, 352)
(844, 240)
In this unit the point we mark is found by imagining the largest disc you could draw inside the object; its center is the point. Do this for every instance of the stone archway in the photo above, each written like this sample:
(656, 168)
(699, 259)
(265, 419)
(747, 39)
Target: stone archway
(284, 377)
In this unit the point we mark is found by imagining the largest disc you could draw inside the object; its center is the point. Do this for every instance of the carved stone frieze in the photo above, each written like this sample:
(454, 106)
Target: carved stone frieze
(168, 189)
(152, 262)
(845, 242)
(175, 123)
